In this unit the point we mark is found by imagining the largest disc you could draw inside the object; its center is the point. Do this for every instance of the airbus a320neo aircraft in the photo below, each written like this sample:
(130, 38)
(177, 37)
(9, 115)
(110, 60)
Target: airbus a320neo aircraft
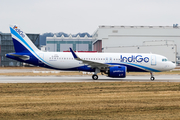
(115, 65)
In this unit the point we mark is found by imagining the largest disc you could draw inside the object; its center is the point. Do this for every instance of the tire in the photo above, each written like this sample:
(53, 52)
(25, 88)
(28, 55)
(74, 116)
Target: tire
(94, 77)
(152, 78)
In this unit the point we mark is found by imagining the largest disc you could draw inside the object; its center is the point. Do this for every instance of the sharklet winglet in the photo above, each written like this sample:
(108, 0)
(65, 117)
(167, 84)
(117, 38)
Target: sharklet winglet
(74, 54)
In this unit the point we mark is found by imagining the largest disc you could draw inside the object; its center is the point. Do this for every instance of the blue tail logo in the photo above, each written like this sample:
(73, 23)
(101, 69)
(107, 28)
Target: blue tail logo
(19, 31)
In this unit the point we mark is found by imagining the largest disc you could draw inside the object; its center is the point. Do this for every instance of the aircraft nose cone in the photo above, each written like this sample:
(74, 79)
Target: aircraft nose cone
(173, 66)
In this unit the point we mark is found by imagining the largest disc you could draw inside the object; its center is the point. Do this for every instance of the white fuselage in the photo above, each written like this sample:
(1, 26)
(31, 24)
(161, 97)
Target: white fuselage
(147, 62)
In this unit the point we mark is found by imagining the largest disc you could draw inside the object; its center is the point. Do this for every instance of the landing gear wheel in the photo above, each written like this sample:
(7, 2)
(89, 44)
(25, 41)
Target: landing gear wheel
(94, 77)
(152, 78)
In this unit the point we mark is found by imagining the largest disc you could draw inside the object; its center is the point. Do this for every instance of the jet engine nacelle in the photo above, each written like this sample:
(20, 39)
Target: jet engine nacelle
(117, 71)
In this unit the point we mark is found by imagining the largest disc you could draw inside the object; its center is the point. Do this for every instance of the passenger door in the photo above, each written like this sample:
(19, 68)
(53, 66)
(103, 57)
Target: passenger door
(153, 60)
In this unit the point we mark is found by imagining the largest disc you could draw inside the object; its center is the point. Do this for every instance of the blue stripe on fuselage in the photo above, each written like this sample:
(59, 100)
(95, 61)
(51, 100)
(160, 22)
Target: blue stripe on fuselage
(135, 68)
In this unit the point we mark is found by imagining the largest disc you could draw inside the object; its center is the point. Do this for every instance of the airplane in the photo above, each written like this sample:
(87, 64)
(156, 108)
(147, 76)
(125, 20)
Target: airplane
(114, 65)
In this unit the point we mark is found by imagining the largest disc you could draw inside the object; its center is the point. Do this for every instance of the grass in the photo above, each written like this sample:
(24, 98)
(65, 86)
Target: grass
(21, 68)
(41, 74)
(114, 100)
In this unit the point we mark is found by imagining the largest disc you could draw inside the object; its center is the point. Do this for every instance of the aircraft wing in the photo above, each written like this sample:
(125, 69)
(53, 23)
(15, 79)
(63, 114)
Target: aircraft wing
(90, 63)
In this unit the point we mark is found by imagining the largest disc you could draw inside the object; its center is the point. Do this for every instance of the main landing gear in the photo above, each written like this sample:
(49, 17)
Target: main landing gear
(95, 76)
(152, 76)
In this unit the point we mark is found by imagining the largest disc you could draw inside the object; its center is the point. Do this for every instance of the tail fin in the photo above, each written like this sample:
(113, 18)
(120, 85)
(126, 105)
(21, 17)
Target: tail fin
(21, 41)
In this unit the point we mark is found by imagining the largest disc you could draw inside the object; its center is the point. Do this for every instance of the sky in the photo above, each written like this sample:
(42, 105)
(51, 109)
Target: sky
(78, 16)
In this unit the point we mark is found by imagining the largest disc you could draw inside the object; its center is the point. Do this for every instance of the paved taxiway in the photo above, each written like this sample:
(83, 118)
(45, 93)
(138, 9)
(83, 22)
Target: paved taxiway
(53, 79)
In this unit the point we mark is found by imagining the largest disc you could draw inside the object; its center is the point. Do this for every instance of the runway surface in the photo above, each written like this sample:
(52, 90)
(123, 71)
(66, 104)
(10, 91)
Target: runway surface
(54, 79)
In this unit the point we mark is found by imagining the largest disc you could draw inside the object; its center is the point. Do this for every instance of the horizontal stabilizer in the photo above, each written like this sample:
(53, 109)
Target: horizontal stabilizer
(23, 57)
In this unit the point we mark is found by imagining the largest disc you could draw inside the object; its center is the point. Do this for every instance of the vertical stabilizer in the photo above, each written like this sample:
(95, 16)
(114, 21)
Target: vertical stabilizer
(21, 41)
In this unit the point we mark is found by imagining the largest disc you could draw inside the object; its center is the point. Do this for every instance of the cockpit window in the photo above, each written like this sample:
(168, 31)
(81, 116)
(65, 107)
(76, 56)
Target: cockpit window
(164, 60)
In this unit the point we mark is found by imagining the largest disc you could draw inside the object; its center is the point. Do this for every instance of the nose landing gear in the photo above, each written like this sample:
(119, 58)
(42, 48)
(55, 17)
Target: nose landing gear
(152, 76)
